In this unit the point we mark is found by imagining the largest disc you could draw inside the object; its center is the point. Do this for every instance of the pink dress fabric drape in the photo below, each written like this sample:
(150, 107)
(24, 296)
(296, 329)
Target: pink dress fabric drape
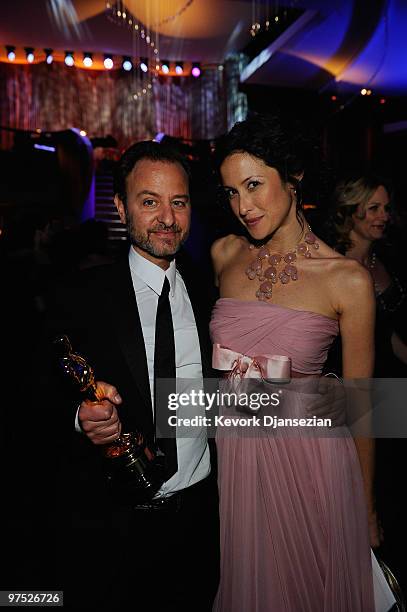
(294, 535)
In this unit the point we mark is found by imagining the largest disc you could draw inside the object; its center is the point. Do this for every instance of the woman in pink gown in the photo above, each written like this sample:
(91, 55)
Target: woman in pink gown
(295, 510)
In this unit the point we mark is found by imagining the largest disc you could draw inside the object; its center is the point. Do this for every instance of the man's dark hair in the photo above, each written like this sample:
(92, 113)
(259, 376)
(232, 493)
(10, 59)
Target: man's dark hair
(147, 149)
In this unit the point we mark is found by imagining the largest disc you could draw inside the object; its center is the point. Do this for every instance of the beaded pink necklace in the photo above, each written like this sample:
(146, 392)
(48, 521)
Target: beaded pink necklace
(265, 267)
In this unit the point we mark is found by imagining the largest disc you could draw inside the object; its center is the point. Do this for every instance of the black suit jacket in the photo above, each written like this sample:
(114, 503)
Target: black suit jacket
(98, 311)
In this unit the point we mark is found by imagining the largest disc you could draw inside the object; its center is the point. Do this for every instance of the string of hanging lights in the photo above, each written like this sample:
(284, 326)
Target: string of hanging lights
(118, 14)
(146, 40)
(174, 16)
(267, 14)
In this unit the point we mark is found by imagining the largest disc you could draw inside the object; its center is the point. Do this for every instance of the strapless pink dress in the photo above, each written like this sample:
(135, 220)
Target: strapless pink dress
(294, 534)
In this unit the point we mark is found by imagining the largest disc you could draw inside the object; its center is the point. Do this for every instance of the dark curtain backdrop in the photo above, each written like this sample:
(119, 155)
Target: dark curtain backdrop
(101, 102)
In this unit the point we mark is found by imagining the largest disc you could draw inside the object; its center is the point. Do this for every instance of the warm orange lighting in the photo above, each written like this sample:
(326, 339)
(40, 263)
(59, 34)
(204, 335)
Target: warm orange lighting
(333, 98)
(363, 91)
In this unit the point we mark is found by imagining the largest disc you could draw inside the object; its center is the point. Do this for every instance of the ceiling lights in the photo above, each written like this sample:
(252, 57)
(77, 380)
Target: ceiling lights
(49, 58)
(11, 53)
(149, 67)
(196, 70)
(108, 62)
(87, 60)
(69, 60)
(127, 64)
(29, 54)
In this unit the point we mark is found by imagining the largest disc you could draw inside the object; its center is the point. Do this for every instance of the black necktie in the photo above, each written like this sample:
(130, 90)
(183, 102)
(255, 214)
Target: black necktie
(164, 367)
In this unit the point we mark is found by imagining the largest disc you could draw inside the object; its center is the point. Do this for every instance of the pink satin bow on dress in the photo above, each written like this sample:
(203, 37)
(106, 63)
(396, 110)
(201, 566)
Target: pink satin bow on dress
(276, 368)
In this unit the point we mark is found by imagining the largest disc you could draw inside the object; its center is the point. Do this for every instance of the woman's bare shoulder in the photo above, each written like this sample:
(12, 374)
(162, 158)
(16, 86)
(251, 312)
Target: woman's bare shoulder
(353, 285)
(345, 267)
(352, 273)
(349, 281)
(225, 248)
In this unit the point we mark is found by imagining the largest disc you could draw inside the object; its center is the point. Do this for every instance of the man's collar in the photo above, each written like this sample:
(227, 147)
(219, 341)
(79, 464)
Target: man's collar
(150, 273)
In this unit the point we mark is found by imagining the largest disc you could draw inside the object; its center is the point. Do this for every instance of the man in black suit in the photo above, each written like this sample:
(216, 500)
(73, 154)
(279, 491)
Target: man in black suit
(164, 554)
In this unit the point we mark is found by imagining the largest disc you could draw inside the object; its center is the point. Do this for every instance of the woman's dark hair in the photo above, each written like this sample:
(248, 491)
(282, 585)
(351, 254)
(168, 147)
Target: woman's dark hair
(279, 145)
(349, 194)
(147, 149)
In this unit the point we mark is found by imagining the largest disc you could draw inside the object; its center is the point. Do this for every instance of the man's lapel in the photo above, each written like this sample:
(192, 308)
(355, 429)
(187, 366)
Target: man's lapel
(126, 321)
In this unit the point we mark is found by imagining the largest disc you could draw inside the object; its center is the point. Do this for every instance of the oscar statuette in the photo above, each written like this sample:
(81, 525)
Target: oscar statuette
(134, 470)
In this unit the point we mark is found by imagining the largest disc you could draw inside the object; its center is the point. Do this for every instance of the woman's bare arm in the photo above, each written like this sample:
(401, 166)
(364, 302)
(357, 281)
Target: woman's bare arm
(357, 320)
(399, 348)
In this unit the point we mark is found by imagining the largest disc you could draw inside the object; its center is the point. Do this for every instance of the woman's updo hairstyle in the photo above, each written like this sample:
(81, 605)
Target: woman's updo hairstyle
(267, 138)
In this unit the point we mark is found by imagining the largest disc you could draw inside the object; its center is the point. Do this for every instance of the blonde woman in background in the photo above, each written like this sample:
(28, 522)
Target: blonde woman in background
(360, 218)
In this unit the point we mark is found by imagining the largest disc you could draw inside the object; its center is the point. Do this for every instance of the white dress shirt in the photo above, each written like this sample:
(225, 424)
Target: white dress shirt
(148, 279)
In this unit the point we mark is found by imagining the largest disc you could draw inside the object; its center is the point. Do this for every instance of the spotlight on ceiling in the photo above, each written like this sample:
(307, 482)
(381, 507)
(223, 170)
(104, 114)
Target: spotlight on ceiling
(143, 65)
(49, 58)
(87, 60)
(165, 67)
(69, 60)
(29, 54)
(127, 64)
(196, 70)
(108, 62)
(179, 68)
(11, 53)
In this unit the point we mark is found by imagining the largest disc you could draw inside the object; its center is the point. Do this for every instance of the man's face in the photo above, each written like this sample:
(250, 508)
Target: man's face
(157, 213)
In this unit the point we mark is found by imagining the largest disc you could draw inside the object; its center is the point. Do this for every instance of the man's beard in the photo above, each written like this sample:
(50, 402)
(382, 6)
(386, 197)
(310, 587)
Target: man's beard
(144, 243)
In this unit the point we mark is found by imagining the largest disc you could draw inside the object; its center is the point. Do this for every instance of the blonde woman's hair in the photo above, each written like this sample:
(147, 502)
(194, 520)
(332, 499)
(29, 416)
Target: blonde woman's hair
(348, 195)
